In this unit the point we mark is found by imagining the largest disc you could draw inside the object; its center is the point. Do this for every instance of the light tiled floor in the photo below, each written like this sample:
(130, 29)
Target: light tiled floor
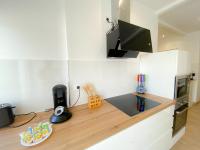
(191, 140)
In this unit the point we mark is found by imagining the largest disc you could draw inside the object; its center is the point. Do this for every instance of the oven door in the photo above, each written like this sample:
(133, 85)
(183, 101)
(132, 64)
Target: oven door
(181, 87)
(180, 118)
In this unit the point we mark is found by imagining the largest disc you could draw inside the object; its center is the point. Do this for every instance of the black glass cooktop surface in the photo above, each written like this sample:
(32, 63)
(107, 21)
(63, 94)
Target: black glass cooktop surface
(131, 104)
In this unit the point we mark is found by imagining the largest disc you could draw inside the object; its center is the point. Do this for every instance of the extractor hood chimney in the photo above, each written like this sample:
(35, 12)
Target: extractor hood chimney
(125, 39)
(120, 10)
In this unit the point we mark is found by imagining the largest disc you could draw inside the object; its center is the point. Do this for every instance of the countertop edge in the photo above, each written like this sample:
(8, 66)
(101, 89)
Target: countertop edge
(165, 103)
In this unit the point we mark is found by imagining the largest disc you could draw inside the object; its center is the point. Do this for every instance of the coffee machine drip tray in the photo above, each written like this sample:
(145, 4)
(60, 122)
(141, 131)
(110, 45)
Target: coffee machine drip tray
(64, 116)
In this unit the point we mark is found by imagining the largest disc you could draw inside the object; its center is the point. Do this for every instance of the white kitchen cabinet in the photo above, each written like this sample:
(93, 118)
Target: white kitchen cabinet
(153, 133)
(160, 69)
(162, 143)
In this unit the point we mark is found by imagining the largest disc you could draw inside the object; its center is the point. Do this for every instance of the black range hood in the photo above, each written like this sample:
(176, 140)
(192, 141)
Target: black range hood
(127, 40)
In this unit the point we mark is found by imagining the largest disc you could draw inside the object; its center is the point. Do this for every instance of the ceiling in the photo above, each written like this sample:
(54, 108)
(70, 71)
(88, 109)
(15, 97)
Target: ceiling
(180, 15)
(156, 4)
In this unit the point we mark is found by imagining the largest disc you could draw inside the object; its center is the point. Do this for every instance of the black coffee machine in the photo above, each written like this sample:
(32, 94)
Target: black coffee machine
(61, 112)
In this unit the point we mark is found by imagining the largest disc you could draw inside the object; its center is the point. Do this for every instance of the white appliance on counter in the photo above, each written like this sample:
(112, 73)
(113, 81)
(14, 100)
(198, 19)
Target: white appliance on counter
(160, 69)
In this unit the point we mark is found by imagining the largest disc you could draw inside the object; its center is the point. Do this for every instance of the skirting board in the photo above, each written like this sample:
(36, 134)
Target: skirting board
(177, 137)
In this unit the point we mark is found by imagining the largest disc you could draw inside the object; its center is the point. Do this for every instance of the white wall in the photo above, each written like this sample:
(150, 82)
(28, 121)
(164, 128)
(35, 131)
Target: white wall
(86, 34)
(87, 52)
(171, 39)
(28, 84)
(33, 55)
(32, 29)
(192, 44)
(111, 78)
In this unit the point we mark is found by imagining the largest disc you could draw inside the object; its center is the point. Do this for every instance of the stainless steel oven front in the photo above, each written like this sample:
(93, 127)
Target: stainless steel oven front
(181, 95)
(181, 87)
(180, 118)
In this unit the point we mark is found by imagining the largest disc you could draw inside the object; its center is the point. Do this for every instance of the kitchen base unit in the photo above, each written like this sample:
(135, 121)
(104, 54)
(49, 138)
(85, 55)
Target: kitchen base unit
(153, 133)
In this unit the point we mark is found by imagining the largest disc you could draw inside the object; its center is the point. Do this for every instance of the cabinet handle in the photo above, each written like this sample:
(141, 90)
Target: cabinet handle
(180, 112)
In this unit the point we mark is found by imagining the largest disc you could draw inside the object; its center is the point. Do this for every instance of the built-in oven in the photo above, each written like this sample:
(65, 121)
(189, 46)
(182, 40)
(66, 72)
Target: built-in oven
(180, 118)
(181, 86)
(181, 95)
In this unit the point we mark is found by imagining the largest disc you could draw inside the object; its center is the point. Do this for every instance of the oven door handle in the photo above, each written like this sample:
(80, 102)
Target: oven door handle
(180, 112)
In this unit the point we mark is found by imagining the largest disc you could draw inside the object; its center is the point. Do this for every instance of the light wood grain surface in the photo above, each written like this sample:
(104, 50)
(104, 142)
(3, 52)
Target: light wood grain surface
(85, 128)
(191, 139)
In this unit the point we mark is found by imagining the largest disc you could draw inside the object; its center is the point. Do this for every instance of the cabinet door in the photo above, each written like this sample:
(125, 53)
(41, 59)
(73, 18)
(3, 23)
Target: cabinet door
(142, 135)
(163, 142)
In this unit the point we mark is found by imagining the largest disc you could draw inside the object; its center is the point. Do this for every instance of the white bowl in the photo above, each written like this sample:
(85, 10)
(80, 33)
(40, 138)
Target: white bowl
(38, 142)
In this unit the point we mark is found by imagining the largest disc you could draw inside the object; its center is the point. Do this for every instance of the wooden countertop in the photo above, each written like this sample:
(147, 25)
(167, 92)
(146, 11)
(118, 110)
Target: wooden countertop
(85, 128)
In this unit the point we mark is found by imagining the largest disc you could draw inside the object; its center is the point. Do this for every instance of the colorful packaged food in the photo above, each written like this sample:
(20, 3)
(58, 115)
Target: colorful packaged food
(36, 135)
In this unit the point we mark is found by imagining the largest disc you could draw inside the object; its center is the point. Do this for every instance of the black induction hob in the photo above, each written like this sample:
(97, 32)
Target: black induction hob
(132, 104)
